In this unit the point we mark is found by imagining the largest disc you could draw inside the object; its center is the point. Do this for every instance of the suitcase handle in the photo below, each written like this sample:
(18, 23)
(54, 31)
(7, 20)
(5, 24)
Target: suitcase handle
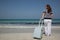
(40, 22)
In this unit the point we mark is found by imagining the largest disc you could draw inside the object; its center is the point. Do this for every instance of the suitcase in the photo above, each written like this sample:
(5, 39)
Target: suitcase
(37, 34)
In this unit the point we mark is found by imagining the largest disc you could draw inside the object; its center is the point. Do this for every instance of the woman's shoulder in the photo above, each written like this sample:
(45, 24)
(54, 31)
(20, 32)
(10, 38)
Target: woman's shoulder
(44, 11)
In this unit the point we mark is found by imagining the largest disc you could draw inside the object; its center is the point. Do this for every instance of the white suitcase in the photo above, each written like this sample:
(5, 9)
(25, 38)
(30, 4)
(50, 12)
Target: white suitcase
(38, 31)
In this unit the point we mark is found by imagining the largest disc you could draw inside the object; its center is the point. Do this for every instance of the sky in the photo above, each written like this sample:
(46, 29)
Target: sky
(27, 9)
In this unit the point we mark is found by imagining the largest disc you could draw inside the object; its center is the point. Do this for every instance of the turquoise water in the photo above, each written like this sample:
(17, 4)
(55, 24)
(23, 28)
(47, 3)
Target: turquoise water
(12, 21)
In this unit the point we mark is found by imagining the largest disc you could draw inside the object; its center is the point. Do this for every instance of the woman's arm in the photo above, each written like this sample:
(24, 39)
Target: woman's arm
(51, 15)
(43, 15)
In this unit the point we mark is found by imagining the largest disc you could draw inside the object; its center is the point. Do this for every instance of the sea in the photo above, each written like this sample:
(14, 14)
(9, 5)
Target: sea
(25, 21)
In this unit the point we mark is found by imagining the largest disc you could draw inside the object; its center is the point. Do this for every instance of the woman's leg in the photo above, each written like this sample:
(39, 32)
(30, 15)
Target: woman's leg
(49, 27)
(47, 23)
(45, 26)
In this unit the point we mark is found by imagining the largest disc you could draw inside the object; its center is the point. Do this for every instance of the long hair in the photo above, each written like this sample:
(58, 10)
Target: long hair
(48, 8)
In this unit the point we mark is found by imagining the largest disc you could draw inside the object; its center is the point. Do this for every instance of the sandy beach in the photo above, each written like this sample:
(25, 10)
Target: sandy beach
(25, 32)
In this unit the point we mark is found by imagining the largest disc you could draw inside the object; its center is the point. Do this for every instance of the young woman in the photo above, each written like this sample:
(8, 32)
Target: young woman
(47, 16)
